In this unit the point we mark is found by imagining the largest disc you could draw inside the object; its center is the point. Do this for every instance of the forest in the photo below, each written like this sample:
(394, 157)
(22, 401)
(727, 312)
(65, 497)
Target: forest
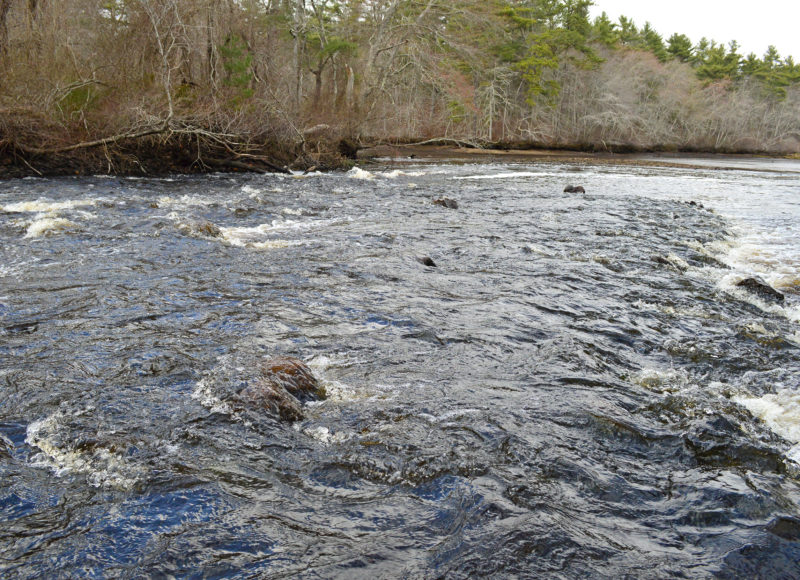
(153, 85)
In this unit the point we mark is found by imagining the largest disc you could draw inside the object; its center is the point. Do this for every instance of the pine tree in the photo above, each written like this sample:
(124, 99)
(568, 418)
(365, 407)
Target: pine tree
(654, 42)
(604, 31)
(680, 47)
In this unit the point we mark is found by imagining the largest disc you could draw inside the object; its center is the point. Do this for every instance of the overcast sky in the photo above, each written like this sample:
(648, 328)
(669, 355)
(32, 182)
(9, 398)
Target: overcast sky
(754, 25)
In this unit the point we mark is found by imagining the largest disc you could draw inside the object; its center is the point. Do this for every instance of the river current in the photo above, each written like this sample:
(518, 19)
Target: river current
(578, 388)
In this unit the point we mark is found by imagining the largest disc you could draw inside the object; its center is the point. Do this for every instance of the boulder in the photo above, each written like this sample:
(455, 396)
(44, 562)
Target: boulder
(202, 228)
(574, 189)
(761, 289)
(446, 202)
(427, 261)
(284, 384)
(294, 376)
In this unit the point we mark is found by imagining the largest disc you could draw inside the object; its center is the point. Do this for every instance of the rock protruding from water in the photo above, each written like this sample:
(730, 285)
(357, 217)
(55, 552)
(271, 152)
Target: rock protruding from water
(672, 262)
(203, 228)
(574, 189)
(761, 289)
(426, 261)
(446, 202)
(284, 385)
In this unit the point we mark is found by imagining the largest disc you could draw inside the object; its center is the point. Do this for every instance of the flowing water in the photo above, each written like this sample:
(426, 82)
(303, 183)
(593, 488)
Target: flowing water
(577, 389)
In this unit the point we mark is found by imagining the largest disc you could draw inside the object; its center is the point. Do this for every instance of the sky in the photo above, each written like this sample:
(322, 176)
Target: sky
(754, 26)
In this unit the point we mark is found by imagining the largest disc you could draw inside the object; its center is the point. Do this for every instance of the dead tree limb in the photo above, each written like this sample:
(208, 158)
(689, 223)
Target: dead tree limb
(89, 144)
(444, 141)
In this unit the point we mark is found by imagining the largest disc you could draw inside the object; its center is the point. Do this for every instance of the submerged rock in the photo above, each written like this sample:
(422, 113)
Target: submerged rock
(284, 385)
(761, 289)
(6, 446)
(574, 189)
(786, 527)
(446, 202)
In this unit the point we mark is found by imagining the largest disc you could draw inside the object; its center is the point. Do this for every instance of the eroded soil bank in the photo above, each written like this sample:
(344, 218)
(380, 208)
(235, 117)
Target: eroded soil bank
(160, 155)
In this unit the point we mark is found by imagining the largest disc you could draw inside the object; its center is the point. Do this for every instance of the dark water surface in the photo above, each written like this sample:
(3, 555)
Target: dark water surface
(579, 389)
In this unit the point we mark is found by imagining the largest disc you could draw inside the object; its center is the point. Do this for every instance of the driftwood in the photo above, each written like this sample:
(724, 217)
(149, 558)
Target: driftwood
(444, 141)
(236, 164)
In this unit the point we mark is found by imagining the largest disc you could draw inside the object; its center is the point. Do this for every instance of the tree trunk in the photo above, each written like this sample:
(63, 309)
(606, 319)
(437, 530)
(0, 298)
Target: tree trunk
(5, 6)
(299, 32)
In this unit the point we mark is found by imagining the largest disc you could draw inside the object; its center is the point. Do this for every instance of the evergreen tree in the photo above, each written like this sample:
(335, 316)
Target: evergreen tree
(627, 32)
(750, 65)
(654, 42)
(717, 63)
(700, 52)
(680, 47)
(552, 31)
(604, 31)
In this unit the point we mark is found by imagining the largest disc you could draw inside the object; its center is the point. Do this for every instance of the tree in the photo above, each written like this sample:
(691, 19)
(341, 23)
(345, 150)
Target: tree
(604, 31)
(680, 47)
(717, 64)
(654, 43)
(323, 42)
(627, 32)
(552, 31)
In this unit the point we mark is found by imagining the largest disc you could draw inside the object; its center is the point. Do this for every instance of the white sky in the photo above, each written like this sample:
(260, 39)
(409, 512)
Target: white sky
(754, 26)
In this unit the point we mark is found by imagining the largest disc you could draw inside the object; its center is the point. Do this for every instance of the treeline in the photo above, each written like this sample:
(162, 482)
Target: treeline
(224, 81)
(710, 60)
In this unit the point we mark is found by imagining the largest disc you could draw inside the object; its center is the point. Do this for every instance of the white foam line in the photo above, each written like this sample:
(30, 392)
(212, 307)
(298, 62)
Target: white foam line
(510, 175)
(45, 206)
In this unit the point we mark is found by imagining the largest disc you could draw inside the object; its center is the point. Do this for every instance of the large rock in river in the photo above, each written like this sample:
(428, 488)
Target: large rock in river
(761, 289)
(284, 384)
(446, 202)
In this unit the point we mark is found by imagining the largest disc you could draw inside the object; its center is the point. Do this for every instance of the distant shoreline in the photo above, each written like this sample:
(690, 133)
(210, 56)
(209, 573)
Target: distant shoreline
(696, 160)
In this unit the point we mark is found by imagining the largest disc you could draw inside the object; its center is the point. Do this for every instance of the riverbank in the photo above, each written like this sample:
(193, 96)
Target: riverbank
(696, 160)
(188, 154)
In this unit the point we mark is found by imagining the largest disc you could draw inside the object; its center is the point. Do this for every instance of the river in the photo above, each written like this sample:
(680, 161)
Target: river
(577, 388)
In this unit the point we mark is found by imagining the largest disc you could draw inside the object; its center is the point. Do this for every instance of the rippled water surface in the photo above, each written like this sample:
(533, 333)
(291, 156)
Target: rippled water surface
(577, 389)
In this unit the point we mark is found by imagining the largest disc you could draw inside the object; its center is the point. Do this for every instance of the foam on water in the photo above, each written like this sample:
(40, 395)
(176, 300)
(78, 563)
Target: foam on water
(510, 175)
(45, 206)
(358, 173)
(728, 283)
(103, 466)
(49, 225)
(669, 380)
(778, 265)
(185, 201)
(204, 394)
(254, 237)
(323, 434)
(745, 261)
(395, 173)
(780, 411)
